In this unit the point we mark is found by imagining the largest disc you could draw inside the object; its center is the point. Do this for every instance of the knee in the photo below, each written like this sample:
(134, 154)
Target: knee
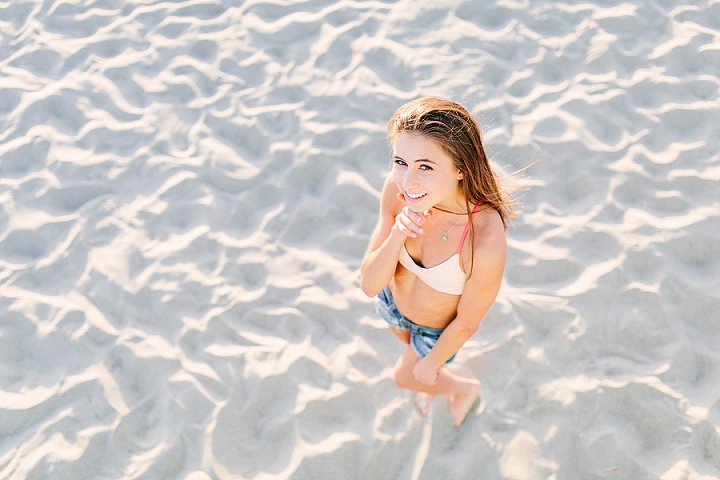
(401, 377)
(398, 379)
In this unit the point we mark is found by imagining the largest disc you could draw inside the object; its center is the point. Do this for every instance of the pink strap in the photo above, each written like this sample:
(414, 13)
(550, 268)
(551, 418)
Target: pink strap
(467, 228)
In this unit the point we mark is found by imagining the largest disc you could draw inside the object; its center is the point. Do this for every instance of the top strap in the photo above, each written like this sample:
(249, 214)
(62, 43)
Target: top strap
(467, 227)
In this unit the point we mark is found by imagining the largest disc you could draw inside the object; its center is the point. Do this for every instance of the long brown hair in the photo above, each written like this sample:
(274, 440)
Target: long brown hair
(453, 128)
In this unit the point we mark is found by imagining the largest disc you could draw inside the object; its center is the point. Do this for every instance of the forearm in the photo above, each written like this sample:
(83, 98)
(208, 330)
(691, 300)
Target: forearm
(451, 340)
(378, 266)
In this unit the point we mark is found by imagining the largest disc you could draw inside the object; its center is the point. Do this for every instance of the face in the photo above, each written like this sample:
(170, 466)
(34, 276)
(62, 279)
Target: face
(425, 174)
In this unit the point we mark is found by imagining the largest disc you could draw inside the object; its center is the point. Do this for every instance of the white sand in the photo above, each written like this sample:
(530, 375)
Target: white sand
(187, 189)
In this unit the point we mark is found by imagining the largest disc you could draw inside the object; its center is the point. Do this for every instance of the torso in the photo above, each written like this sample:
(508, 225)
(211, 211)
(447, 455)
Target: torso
(421, 303)
(414, 298)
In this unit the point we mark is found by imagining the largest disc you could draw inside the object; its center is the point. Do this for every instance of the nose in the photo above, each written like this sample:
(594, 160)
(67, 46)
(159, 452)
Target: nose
(409, 180)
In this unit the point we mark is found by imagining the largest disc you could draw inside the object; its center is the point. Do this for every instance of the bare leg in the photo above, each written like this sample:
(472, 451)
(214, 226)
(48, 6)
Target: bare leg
(460, 405)
(461, 390)
(422, 402)
(402, 334)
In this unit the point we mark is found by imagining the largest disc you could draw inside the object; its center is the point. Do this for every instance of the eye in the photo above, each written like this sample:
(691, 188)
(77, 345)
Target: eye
(399, 162)
(426, 168)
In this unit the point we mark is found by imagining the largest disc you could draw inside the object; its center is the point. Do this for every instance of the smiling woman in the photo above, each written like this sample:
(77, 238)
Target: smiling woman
(425, 174)
(422, 276)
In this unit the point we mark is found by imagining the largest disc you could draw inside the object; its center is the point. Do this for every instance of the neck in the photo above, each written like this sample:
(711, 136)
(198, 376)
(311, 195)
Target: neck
(439, 209)
(454, 205)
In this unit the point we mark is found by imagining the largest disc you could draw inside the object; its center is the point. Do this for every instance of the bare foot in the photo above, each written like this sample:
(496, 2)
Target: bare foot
(461, 403)
(422, 402)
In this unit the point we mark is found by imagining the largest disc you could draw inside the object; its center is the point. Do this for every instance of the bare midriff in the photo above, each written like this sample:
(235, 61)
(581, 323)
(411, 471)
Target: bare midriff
(421, 303)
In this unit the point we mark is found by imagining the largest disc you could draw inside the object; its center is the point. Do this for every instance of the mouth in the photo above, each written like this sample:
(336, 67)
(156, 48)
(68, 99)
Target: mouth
(416, 197)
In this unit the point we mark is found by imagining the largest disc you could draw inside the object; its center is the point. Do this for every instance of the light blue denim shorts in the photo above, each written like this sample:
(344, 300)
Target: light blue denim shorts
(422, 339)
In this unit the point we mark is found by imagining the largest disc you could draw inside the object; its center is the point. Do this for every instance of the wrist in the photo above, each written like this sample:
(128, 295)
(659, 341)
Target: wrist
(429, 363)
(432, 363)
(396, 230)
(397, 235)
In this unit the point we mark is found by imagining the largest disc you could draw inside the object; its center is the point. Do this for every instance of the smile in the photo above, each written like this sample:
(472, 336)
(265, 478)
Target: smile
(414, 197)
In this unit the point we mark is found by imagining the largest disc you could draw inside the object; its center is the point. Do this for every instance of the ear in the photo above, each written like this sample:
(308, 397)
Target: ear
(460, 175)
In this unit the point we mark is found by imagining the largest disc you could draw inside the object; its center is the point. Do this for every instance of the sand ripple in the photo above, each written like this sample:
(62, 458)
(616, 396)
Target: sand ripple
(187, 190)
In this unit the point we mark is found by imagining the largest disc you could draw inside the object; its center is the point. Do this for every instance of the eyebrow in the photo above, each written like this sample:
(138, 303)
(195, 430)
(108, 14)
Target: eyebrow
(415, 161)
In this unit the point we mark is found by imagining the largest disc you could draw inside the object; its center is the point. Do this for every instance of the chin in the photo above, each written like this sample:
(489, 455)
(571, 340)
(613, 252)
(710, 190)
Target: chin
(419, 207)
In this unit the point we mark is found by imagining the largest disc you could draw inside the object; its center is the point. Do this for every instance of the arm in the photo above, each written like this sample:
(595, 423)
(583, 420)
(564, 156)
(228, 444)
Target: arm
(478, 296)
(393, 227)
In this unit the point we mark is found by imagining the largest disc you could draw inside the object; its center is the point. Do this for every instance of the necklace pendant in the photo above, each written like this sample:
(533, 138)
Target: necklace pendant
(444, 237)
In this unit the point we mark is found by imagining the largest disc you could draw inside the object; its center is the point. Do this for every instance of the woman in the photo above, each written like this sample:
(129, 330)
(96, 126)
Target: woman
(437, 255)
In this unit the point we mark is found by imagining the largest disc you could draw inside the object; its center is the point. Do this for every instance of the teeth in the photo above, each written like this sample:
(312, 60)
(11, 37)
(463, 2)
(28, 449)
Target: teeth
(414, 197)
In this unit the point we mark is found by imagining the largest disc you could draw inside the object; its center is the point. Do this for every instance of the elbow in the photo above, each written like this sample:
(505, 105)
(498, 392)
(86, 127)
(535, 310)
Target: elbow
(367, 285)
(368, 290)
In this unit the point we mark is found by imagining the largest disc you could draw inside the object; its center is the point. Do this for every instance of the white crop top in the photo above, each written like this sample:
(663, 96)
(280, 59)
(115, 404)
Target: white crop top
(446, 277)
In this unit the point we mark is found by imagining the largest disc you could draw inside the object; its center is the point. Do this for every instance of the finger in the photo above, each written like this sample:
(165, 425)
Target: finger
(403, 228)
(411, 226)
(424, 376)
(414, 216)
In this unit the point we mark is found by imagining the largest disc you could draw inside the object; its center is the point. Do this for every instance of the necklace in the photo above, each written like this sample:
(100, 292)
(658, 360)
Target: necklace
(448, 211)
(444, 237)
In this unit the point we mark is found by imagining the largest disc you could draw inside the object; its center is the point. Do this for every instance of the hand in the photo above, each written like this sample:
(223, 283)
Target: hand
(425, 373)
(408, 222)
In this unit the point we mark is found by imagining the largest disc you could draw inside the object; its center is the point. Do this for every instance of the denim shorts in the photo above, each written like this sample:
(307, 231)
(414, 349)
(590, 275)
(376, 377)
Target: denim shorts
(422, 339)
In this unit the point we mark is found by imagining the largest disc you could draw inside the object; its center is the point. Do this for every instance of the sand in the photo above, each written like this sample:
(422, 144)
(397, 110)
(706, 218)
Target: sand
(187, 190)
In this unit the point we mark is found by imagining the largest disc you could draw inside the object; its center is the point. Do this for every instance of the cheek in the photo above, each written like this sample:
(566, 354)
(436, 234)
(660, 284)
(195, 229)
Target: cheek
(437, 182)
(446, 185)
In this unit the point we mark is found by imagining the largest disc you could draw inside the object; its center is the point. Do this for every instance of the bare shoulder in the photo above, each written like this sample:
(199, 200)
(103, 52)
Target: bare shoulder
(489, 231)
(390, 205)
(489, 242)
(388, 209)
